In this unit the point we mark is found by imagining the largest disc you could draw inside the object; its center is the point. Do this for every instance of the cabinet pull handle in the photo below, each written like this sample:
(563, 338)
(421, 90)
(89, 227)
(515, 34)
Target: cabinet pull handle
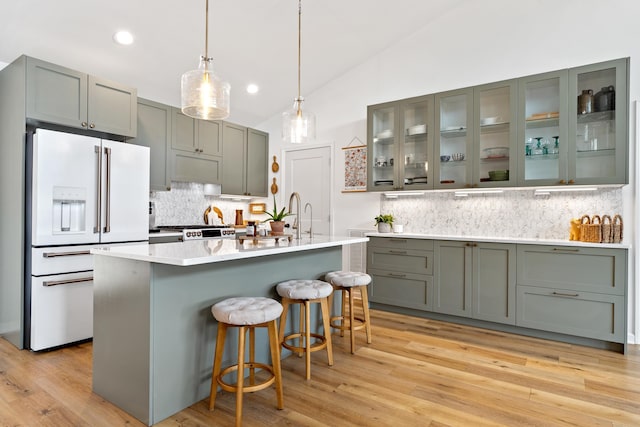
(107, 216)
(57, 254)
(562, 294)
(67, 281)
(566, 250)
(96, 226)
(398, 240)
(397, 275)
(571, 181)
(92, 125)
(83, 124)
(398, 252)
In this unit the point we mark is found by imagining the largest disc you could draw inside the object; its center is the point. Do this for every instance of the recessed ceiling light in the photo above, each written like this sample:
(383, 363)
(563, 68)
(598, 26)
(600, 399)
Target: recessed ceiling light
(123, 38)
(252, 88)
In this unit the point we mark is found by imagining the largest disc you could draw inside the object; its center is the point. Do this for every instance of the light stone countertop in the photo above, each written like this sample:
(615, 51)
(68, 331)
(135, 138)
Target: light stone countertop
(500, 240)
(207, 251)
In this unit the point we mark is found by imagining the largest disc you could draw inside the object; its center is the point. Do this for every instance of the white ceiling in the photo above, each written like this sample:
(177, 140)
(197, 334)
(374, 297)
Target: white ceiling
(251, 41)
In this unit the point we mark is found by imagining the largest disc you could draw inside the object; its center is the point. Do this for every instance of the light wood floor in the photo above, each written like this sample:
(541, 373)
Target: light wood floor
(416, 372)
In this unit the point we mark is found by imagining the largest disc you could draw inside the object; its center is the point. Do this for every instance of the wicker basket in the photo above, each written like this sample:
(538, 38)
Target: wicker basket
(607, 235)
(616, 229)
(591, 231)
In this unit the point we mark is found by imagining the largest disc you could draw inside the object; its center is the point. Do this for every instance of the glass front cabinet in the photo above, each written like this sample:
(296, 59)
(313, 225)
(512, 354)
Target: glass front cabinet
(475, 143)
(573, 128)
(400, 145)
(567, 127)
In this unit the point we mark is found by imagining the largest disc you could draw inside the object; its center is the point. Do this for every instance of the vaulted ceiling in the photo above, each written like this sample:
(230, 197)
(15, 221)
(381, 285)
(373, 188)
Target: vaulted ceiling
(251, 41)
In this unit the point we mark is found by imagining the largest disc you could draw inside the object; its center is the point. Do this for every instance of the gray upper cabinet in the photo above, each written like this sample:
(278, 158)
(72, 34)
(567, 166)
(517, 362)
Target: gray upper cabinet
(196, 154)
(67, 97)
(400, 140)
(245, 154)
(476, 280)
(154, 131)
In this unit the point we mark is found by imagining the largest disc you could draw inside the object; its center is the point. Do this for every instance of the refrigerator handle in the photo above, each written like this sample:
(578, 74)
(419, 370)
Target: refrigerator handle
(96, 226)
(107, 216)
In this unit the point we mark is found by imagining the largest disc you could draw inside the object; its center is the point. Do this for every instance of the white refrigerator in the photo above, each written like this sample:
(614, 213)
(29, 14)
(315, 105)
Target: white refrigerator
(84, 192)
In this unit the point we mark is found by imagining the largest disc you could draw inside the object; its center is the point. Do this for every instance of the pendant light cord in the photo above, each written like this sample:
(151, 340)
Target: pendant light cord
(299, 42)
(206, 31)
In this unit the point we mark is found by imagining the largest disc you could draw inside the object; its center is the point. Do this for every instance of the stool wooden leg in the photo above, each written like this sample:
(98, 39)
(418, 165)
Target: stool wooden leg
(351, 322)
(217, 361)
(240, 383)
(365, 308)
(301, 327)
(344, 311)
(274, 345)
(283, 320)
(252, 355)
(324, 305)
(307, 337)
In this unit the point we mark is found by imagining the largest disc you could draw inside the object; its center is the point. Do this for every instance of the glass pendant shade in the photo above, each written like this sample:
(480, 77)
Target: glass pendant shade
(298, 125)
(204, 95)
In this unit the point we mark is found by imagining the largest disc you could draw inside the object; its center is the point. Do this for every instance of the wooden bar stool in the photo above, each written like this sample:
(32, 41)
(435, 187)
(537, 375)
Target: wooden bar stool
(346, 282)
(305, 292)
(246, 314)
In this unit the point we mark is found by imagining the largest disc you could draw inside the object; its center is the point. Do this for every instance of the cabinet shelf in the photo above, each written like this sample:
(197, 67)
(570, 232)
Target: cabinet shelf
(543, 123)
(534, 157)
(384, 141)
(601, 116)
(596, 153)
(454, 133)
(495, 128)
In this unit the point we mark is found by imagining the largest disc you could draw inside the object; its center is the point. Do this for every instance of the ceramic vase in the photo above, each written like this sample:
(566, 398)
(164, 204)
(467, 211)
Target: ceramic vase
(383, 227)
(277, 228)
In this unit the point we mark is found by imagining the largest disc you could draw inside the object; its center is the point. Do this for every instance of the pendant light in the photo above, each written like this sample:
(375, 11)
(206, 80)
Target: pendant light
(298, 126)
(204, 95)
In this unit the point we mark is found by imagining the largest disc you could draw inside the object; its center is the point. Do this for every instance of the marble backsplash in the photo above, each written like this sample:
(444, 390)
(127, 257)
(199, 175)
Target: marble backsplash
(514, 213)
(186, 202)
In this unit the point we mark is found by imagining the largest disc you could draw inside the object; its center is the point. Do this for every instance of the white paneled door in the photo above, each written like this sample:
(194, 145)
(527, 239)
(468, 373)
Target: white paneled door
(308, 172)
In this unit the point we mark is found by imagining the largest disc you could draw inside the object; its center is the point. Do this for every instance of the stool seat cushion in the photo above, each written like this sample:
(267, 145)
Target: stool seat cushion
(246, 310)
(348, 279)
(304, 289)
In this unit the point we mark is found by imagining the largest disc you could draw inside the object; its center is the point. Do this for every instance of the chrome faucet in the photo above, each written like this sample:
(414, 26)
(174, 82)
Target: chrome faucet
(296, 222)
(308, 205)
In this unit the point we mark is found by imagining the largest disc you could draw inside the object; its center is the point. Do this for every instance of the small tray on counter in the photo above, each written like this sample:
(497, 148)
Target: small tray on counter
(256, 239)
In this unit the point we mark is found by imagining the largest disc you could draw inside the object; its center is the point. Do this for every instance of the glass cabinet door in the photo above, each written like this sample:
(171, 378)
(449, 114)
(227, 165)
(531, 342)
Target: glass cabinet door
(542, 136)
(495, 134)
(453, 141)
(382, 142)
(597, 98)
(415, 153)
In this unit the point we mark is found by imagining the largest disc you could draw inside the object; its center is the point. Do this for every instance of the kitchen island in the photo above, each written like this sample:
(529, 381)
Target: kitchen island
(154, 335)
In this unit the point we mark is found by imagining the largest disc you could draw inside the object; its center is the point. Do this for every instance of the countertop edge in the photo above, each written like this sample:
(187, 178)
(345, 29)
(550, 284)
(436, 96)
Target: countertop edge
(520, 240)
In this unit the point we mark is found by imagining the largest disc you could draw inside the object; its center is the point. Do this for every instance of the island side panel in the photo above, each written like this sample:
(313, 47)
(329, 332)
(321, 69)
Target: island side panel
(121, 334)
(184, 329)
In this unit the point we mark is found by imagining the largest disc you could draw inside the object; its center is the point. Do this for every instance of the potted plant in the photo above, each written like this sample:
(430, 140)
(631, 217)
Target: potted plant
(277, 223)
(384, 223)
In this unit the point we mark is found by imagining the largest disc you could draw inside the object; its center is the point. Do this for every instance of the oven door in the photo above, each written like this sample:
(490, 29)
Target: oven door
(61, 309)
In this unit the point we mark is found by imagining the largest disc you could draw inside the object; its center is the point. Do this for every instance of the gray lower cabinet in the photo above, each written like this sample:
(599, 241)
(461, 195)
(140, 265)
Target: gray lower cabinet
(245, 153)
(154, 131)
(401, 272)
(196, 149)
(67, 97)
(476, 280)
(573, 290)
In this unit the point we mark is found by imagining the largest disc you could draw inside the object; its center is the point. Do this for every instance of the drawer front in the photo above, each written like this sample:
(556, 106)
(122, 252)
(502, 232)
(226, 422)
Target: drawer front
(402, 260)
(61, 259)
(401, 243)
(401, 289)
(576, 268)
(583, 314)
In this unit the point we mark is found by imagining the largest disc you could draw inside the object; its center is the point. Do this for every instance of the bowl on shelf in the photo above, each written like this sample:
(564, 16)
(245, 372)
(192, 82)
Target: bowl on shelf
(417, 130)
(495, 153)
(489, 121)
(445, 158)
(502, 175)
(456, 157)
(385, 134)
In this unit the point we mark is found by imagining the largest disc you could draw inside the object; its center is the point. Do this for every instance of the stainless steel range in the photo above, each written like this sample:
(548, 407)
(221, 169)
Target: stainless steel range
(199, 232)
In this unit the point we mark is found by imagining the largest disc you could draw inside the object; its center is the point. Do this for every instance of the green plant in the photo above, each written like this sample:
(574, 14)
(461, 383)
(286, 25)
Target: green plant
(275, 215)
(387, 219)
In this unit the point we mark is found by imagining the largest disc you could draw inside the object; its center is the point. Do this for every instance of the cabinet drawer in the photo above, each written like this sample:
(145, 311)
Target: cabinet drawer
(401, 243)
(402, 260)
(576, 268)
(583, 314)
(401, 289)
